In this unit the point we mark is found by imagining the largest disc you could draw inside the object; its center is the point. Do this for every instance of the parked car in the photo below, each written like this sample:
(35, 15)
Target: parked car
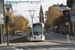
(19, 33)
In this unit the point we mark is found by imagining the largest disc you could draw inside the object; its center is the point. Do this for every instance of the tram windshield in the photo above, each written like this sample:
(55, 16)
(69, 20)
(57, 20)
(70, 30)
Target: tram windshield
(37, 29)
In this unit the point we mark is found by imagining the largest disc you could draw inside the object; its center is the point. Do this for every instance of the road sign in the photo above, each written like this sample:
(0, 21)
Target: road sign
(2, 12)
(72, 17)
(72, 14)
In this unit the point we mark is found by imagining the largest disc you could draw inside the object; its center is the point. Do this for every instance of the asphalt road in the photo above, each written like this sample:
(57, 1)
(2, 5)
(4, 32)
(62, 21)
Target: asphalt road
(45, 46)
(50, 44)
(59, 37)
(53, 41)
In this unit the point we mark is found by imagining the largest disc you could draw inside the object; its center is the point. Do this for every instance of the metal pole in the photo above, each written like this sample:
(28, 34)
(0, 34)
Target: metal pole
(32, 15)
(68, 38)
(7, 34)
(1, 37)
(32, 20)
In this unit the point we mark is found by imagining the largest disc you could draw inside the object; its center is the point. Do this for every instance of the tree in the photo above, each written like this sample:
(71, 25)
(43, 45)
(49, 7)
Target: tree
(52, 14)
(20, 23)
(47, 26)
(15, 23)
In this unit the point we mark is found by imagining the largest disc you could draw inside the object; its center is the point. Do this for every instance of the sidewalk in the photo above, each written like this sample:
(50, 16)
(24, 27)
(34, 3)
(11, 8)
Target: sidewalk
(9, 47)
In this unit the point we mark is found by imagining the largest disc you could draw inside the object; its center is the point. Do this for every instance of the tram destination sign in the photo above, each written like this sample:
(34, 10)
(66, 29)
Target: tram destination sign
(2, 17)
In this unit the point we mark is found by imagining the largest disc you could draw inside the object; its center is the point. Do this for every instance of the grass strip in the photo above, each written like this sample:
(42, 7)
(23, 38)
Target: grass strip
(19, 40)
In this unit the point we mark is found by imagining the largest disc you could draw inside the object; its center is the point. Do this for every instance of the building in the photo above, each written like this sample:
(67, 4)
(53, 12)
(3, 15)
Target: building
(61, 7)
(8, 8)
(41, 15)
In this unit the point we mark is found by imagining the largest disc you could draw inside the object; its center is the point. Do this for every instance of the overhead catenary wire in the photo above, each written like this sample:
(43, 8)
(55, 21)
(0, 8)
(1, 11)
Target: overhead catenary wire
(23, 1)
(36, 19)
(34, 12)
(35, 6)
(20, 1)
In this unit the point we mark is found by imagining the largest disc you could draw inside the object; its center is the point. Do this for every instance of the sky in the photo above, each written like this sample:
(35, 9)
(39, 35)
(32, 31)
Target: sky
(23, 8)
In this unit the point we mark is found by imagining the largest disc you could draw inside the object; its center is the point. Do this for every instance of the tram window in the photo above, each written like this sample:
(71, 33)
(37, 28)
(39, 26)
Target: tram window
(35, 25)
(43, 31)
(37, 29)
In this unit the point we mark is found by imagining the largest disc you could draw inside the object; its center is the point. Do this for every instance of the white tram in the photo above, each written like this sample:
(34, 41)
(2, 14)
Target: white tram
(36, 33)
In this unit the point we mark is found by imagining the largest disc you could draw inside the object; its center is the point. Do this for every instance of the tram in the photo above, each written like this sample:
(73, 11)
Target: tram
(36, 33)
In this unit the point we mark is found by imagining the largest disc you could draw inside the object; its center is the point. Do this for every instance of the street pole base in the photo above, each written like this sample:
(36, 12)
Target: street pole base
(68, 42)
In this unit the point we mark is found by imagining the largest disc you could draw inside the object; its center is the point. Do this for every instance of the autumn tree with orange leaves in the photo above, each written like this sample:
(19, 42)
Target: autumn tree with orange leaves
(20, 23)
(52, 14)
(16, 23)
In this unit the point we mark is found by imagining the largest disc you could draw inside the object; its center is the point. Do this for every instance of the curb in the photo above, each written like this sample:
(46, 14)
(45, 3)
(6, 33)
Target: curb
(6, 46)
(60, 42)
(9, 46)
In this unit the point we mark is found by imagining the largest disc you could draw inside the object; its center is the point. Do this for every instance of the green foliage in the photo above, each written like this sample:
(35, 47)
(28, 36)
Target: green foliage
(18, 40)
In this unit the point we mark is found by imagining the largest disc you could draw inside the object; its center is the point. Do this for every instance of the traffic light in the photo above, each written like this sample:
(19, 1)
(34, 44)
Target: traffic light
(66, 13)
(7, 19)
(8, 9)
(69, 3)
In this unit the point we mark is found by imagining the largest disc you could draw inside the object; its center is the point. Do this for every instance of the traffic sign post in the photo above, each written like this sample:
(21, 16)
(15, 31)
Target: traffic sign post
(68, 38)
(7, 32)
